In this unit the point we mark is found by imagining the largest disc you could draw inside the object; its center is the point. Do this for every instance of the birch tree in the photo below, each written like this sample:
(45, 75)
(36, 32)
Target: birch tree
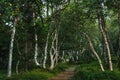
(54, 50)
(47, 39)
(103, 31)
(36, 41)
(94, 52)
(11, 47)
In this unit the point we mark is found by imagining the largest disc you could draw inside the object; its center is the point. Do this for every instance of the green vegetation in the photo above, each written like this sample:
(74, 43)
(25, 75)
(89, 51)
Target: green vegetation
(60, 67)
(38, 38)
(37, 74)
(92, 71)
(2, 76)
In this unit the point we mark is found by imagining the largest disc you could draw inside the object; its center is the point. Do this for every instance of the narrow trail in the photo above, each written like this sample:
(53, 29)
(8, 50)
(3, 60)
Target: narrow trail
(66, 75)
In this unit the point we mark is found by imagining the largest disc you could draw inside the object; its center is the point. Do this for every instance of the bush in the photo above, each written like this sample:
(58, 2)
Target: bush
(92, 72)
(39, 74)
(36, 74)
(87, 75)
(2, 76)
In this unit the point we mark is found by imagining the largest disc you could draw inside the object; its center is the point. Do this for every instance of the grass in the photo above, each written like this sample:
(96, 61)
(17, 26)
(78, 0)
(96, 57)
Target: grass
(60, 67)
(2, 76)
(92, 71)
(36, 74)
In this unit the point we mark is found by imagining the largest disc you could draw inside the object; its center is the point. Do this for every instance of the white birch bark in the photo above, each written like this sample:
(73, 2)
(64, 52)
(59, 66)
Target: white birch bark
(46, 51)
(56, 49)
(102, 26)
(46, 45)
(36, 50)
(93, 50)
(36, 44)
(63, 56)
(11, 49)
(77, 55)
(102, 29)
(52, 53)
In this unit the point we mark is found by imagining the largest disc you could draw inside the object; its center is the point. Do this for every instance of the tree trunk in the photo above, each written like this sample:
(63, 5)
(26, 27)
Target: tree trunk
(93, 50)
(52, 64)
(63, 56)
(46, 51)
(11, 49)
(36, 42)
(36, 50)
(18, 62)
(17, 67)
(105, 53)
(46, 45)
(26, 56)
(77, 56)
(102, 27)
(56, 49)
(52, 53)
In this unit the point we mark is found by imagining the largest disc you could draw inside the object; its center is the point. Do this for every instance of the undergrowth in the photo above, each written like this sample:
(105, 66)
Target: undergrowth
(92, 71)
(37, 74)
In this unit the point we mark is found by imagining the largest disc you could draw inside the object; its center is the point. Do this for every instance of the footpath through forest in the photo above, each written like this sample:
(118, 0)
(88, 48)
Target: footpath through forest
(66, 75)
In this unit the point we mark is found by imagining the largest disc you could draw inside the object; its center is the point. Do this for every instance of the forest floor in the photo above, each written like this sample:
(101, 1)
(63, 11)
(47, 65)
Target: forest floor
(63, 71)
(66, 75)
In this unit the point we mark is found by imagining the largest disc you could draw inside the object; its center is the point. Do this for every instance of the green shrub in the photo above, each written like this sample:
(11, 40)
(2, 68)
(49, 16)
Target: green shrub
(87, 75)
(36, 74)
(2, 76)
(92, 72)
(39, 74)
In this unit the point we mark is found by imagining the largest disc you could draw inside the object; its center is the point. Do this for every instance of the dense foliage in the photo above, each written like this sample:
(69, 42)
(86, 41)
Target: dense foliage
(48, 34)
(91, 71)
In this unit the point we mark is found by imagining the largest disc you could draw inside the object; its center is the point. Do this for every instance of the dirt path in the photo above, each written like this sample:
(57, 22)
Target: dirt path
(66, 75)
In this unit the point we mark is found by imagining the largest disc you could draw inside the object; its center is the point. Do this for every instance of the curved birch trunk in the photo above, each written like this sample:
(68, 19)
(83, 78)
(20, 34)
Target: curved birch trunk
(46, 51)
(36, 44)
(36, 50)
(52, 53)
(46, 45)
(93, 50)
(103, 31)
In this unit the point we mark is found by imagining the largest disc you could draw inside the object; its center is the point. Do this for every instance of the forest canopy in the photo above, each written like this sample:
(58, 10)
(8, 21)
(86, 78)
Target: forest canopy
(45, 33)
